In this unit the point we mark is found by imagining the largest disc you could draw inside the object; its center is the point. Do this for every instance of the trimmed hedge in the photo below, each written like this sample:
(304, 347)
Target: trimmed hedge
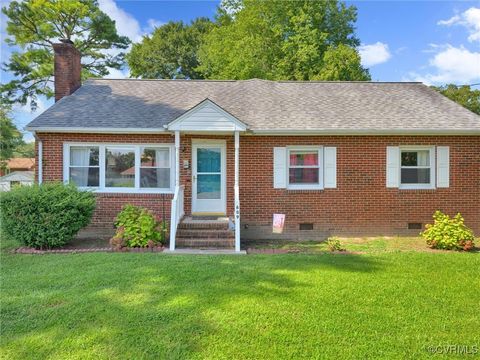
(45, 216)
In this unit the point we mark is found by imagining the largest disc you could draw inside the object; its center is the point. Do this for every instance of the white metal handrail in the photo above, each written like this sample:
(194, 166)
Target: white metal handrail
(177, 213)
(237, 218)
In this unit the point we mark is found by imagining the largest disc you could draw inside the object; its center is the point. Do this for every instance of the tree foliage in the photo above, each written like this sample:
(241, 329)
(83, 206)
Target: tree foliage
(277, 40)
(25, 150)
(283, 40)
(170, 52)
(463, 95)
(34, 25)
(10, 137)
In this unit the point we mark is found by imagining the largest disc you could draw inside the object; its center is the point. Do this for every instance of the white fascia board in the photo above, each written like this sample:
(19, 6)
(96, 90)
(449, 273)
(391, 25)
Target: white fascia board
(364, 132)
(97, 130)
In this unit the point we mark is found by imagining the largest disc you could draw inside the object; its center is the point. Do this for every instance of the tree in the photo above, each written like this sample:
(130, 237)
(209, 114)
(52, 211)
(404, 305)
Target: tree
(170, 52)
(10, 136)
(342, 63)
(34, 25)
(283, 40)
(463, 95)
(25, 150)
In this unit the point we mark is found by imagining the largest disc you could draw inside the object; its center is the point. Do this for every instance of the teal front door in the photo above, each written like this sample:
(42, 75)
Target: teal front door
(208, 177)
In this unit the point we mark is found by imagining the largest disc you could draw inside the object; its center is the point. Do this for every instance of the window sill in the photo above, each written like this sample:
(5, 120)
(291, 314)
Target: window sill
(304, 187)
(126, 191)
(416, 187)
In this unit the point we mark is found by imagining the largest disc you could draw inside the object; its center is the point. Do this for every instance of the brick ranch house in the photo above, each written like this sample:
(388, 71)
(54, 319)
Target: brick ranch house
(346, 158)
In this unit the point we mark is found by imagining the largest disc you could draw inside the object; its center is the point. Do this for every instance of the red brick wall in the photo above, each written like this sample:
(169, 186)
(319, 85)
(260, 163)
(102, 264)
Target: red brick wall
(108, 204)
(361, 203)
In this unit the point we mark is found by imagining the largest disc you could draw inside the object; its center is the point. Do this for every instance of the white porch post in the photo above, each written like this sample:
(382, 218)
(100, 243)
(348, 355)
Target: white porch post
(173, 208)
(237, 192)
(177, 158)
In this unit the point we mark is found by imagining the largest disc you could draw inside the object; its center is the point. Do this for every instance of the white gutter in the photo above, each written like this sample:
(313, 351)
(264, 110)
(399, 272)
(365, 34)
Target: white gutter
(365, 132)
(282, 132)
(97, 130)
(40, 161)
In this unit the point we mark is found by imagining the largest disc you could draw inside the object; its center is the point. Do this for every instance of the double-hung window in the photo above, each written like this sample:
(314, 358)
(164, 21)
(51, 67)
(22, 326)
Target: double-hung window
(84, 166)
(304, 167)
(417, 167)
(155, 168)
(120, 167)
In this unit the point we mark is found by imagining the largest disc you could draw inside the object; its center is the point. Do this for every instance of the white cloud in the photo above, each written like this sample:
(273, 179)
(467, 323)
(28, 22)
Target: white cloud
(118, 74)
(374, 54)
(26, 109)
(451, 64)
(470, 19)
(152, 24)
(126, 23)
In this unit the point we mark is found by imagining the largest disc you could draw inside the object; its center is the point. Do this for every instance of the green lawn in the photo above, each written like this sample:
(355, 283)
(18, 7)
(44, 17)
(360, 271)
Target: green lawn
(361, 244)
(388, 304)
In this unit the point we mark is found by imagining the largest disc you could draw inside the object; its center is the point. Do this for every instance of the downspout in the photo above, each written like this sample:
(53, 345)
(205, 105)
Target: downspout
(40, 161)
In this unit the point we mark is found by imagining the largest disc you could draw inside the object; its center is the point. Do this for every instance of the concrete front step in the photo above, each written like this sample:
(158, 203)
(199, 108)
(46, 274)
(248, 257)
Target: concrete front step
(195, 223)
(205, 233)
(204, 243)
(213, 226)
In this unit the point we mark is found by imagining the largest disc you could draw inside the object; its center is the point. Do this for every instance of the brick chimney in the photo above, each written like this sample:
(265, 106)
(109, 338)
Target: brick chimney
(67, 69)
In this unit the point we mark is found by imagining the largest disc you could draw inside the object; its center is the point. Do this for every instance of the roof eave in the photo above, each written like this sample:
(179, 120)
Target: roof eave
(365, 132)
(84, 130)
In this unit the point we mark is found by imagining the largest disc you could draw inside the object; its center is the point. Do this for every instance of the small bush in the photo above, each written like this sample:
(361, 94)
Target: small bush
(45, 216)
(448, 233)
(137, 227)
(334, 244)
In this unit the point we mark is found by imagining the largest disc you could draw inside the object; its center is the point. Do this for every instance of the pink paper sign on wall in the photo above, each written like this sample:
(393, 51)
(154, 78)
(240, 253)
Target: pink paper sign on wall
(278, 223)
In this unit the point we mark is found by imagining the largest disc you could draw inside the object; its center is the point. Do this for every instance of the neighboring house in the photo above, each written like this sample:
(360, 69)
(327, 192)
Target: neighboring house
(18, 164)
(346, 158)
(23, 178)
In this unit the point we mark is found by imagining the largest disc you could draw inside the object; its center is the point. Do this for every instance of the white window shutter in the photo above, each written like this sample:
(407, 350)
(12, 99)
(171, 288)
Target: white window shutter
(443, 166)
(279, 168)
(393, 166)
(330, 167)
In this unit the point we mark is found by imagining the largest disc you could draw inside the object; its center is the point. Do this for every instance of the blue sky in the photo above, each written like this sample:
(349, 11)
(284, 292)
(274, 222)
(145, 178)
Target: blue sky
(431, 41)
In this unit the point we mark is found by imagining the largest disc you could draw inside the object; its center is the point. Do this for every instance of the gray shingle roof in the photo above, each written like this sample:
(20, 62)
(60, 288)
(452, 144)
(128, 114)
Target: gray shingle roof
(262, 105)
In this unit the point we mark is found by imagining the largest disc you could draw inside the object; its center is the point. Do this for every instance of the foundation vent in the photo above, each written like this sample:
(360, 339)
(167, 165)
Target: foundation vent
(414, 226)
(306, 226)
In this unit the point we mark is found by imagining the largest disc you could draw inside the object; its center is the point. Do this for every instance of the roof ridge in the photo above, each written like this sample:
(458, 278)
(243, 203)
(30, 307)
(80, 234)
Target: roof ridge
(263, 80)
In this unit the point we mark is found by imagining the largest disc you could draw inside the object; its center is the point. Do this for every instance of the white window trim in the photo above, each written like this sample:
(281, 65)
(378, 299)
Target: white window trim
(319, 150)
(137, 149)
(432, 168)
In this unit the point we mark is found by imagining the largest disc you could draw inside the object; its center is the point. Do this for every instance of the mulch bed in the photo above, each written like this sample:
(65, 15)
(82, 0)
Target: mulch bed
(29, 250)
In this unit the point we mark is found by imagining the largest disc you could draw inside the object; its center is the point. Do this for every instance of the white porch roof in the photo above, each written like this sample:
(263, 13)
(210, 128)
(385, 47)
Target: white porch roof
(207, 117)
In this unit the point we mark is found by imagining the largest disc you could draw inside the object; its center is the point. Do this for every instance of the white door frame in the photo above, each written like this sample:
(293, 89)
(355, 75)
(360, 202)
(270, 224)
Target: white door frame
(206, 143)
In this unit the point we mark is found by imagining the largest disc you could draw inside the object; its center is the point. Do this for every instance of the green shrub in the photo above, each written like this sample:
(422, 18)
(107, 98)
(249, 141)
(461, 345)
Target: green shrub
(334, 244)
(45, 216)
(448, 233)
(137, 227)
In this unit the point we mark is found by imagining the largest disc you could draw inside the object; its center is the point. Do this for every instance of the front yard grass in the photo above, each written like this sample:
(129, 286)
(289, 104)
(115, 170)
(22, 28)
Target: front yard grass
(382, 304)
(353, 244)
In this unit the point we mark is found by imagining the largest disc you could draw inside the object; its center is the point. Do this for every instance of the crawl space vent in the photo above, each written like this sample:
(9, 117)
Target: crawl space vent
(306, 226)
